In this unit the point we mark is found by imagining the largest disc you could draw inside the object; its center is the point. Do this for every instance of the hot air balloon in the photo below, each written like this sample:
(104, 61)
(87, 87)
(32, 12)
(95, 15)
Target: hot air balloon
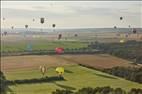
(26, 26)
(5, 33)
(59, 50)
(60, 71)
(75, 35)
(41, 20)
(134, 31)
(121, 18)
(115, 27)
(53, 25)
(12, 27)
(33, 20)
(42, 70)
(59, 36)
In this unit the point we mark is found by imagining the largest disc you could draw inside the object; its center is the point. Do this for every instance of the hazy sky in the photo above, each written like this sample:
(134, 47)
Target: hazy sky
(70, 14)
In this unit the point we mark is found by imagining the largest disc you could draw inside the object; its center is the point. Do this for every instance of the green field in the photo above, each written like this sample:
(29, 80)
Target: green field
(75, 77)
(41, 45)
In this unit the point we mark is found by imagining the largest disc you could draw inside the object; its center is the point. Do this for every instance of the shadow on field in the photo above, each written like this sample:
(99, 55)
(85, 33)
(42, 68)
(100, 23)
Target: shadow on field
(65, 87)
(67, 71)
(36, 80)
(105, 76)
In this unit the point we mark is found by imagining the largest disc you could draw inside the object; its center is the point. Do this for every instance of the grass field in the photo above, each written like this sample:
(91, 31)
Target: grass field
(49, 41)
(41, 45)
(76, 77)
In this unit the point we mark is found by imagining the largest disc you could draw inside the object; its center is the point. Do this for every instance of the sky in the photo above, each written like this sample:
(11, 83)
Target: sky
(71, 14)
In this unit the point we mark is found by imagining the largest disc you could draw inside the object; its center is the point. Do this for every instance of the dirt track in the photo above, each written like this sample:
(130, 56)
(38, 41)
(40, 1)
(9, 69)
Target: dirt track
(28, 62)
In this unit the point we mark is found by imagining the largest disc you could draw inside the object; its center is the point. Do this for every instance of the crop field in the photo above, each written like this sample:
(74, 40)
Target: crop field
(27, 67)
(49, 41)
(41, 45)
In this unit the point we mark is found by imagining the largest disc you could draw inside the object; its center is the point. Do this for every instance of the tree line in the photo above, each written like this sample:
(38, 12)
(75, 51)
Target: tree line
(99, 90)
(129, 73)
(130, 50)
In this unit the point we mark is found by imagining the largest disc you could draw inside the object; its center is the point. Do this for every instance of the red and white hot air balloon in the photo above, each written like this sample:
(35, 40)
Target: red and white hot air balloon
(59, 50)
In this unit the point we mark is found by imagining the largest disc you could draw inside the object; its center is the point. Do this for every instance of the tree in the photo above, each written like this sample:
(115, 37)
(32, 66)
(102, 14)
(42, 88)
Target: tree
(3, 84)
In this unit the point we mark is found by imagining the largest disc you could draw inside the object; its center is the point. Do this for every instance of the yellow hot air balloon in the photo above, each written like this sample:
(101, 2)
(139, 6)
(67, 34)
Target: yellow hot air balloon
(122, 41)
(60, 71)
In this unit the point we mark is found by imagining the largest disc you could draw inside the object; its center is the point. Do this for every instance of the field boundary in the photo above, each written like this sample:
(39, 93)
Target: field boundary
(50, 53)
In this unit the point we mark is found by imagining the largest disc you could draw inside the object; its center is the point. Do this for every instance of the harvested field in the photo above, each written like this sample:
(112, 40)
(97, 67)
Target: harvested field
(98, 61)
(32, 61)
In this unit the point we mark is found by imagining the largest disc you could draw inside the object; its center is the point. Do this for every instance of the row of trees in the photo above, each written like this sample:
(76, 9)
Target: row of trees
(131, 50)
(129, 73)
(51, 52)
(3, 84)
(99, 90)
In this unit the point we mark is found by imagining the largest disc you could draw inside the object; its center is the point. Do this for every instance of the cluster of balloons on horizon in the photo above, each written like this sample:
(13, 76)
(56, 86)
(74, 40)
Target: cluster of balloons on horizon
(134, 29)
(42, 21)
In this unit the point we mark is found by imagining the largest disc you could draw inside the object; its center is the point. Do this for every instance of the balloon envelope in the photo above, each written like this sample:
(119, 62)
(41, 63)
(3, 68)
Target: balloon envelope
(59, 36)
(12, 27)
(53, 25)
(121, 18)
(134, 31)
(26, 26)
(60, 70)
(115, 27)
(41, 20)
(59, 50)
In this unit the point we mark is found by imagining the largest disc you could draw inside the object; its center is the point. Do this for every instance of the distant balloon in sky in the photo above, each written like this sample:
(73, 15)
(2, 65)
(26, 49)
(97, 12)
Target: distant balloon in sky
(115, 27)
(12, 27)
(41, 20)
(33, 20)
(121, 18)
(53, 25)
(26, 26)
(59, 50)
